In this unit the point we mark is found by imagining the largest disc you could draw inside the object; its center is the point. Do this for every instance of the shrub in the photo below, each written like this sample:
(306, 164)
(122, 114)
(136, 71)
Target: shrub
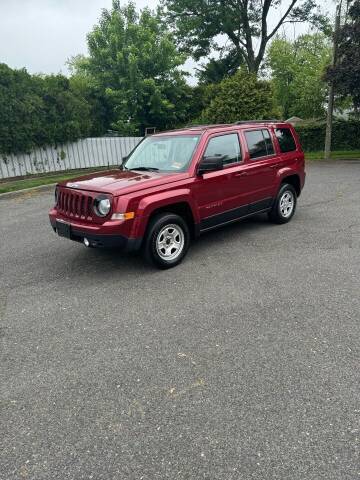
(346, 135)
(240, 97)
(39, 110)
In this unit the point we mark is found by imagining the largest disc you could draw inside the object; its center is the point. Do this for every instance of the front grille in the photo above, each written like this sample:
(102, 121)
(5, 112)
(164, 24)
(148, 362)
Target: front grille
(75, 204)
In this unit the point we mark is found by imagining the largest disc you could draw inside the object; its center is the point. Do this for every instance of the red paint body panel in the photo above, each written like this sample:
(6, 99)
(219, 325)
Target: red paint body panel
(116, 181)
(207, 196)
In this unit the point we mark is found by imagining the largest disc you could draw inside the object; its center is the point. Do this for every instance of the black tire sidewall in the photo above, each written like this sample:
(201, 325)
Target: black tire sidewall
(156, 225)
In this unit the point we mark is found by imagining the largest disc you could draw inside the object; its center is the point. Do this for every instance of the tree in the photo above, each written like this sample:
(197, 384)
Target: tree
(346, 74)
(239, 97)
(201, 25)
(135, 61)
(39, 110)
(216, 70)
(21, 106)
(297, 70)
(86, 86)
(66, 116)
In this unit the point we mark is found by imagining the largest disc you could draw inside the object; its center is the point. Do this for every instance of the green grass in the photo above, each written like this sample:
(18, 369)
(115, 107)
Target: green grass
(338, 155)
(45, 179)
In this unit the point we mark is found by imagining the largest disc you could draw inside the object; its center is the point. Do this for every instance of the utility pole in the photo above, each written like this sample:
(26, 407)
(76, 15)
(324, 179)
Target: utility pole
(330, 111)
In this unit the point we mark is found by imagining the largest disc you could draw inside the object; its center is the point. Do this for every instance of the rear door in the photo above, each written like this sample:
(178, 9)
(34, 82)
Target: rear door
(261, 160)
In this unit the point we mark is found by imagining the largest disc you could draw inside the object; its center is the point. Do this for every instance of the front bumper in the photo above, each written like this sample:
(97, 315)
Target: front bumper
(99, 240)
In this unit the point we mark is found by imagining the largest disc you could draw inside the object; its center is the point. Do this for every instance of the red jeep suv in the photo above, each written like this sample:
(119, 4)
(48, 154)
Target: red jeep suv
(177, 185)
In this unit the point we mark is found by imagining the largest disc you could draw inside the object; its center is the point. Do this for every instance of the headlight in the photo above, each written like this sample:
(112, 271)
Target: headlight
(102, 206)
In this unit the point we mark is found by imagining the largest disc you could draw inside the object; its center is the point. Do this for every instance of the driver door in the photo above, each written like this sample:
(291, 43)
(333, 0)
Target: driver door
(219, 194)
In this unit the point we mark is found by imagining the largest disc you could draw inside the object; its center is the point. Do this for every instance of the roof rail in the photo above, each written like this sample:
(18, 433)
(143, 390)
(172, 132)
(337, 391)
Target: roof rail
(206, 126)
(247, 122)
(220, 125)
(195, 125)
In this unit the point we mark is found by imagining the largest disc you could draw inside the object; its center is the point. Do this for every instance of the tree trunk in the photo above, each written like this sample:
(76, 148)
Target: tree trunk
(330, 111)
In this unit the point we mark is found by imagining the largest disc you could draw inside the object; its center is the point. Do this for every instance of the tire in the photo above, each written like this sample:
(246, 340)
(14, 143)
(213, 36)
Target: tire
(167, 241)
(285, 205)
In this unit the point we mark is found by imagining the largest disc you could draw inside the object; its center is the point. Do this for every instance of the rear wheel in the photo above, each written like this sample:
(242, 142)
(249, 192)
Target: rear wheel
(285, 205)
(167, 240)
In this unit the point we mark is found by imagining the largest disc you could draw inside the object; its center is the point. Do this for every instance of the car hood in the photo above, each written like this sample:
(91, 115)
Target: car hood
(118, 182)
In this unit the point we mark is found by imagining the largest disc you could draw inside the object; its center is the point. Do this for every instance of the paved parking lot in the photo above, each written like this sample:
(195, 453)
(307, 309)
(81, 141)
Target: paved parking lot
(242, 363)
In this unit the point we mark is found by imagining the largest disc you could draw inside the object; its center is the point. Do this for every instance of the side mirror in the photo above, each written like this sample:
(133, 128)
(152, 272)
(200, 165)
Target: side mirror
(123, 161)
(211, 164)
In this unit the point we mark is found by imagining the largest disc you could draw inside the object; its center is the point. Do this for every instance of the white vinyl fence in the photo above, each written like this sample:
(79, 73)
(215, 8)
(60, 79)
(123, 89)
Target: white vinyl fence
(85, 153)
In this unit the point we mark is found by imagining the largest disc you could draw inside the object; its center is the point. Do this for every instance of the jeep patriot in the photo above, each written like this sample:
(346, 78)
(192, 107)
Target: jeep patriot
(177, 185)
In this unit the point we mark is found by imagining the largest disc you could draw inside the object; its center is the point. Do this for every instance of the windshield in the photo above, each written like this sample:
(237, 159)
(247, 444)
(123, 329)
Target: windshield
(166, 154)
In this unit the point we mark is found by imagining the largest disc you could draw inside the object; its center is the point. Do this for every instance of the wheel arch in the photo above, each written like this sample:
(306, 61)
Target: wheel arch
(179, 204)
(292, 179)
(182, 209)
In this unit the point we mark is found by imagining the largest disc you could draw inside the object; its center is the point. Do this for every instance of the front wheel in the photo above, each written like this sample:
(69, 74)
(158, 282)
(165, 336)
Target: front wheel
(285, 205)
(167, 241)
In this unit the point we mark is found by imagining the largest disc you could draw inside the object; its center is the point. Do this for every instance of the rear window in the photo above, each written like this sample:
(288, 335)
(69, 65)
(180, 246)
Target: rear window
(259, 143)
(286, 139)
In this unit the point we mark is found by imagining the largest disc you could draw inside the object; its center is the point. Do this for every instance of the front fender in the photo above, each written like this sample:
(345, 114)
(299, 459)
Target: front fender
(149, 204)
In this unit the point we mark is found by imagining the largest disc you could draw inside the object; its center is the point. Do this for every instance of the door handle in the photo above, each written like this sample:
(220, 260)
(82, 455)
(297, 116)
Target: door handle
(241, 174)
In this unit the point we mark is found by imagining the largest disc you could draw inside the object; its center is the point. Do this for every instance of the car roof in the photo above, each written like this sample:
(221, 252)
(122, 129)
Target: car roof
(200, 129)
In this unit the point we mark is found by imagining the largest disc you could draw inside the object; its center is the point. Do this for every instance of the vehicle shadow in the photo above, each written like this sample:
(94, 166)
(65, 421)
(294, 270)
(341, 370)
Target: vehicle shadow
(232, 230)
(104, 260)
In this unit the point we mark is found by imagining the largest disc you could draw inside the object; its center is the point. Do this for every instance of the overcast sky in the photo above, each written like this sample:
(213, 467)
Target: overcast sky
(42, 34)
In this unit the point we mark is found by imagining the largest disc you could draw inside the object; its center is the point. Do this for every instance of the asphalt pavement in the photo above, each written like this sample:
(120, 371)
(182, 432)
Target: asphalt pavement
(242, 363)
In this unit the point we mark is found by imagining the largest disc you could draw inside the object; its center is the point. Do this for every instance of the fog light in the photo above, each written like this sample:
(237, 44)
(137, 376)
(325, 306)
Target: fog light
(86, 242)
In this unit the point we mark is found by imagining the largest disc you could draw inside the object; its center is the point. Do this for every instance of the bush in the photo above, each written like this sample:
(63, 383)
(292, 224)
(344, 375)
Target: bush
(39, 110)
(346, 135)
(240, 97)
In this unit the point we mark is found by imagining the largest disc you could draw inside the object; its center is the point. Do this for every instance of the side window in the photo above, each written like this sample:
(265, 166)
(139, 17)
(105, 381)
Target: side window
(225, 145)
(259, 143)
(286, 140)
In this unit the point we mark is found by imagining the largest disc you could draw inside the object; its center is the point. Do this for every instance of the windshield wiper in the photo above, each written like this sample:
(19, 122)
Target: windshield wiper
(145, 169)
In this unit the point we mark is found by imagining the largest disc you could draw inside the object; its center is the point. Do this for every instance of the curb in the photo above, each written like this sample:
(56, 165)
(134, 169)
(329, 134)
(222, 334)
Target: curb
(18, 193)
